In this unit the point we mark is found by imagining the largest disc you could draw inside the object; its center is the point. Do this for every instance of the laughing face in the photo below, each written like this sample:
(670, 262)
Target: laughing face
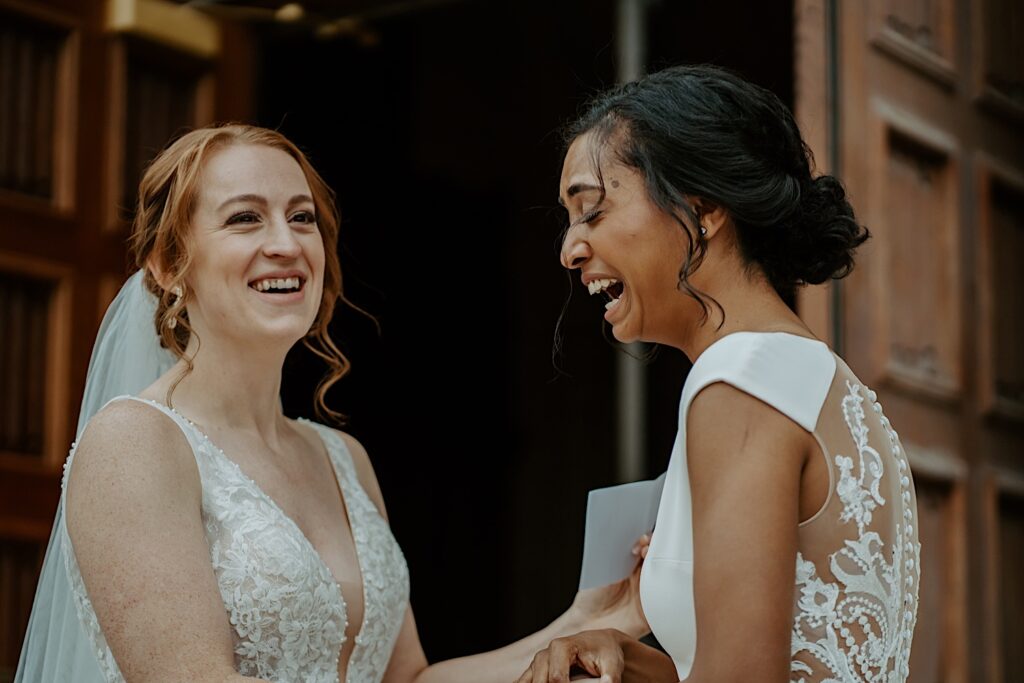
(626, 248)
(257, 274)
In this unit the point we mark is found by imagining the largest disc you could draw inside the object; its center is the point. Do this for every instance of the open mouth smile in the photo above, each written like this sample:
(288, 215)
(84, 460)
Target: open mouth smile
(611, 288)
(279, 285)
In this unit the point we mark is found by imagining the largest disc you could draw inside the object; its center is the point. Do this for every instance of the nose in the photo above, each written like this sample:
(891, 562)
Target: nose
(281, 241)
(575, 250)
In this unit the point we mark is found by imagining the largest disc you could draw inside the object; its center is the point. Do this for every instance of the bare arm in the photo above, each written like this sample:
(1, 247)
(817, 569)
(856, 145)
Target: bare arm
(745, 460)
(408, 661)
(134, 519)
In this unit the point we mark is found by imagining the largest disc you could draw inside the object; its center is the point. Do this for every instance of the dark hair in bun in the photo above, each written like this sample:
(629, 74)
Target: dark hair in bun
(700, 131)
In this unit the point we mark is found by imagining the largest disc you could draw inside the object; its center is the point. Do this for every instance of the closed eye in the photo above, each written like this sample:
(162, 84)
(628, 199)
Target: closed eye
(587, 218)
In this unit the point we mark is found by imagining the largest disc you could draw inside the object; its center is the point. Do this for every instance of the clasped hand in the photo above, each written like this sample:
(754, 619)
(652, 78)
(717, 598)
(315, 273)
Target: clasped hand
(609, 616)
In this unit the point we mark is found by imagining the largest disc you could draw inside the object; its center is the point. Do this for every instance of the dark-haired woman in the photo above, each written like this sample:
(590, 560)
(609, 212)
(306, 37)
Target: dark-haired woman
(786, 544)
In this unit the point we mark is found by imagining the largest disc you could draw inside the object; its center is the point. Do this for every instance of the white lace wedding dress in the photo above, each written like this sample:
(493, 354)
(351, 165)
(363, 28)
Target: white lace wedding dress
(858, 559)
(287, 613)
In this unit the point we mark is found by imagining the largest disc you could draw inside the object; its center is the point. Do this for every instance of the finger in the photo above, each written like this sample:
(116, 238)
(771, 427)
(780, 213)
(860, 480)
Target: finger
(606, 662)
(540, 666)
(643, 552)
(610, 665)
(527, 676)
(640, 543)
(562, 655)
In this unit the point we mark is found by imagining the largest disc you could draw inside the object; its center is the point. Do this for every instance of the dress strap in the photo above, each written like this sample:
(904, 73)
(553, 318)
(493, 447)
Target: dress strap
(339, 454)
(788, 372)
(193, 434)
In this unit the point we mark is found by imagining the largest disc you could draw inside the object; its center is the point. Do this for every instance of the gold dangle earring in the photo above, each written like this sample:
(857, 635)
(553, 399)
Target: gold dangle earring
(173, 322)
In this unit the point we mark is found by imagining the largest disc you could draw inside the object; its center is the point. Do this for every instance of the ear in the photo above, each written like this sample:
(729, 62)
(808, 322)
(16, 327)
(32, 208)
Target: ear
(156, 270)
(712, 217)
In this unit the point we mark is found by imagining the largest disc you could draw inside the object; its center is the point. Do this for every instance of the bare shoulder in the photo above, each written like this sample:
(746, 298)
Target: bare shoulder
(134, 518)
(724, 419)
(131, 449)
(364, 469)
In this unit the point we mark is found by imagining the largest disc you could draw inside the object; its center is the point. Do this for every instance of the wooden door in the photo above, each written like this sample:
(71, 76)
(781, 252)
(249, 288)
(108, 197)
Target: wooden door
(927, 133)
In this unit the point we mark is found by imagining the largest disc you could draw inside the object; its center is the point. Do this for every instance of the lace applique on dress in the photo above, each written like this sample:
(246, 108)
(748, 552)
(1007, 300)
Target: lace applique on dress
(287, 612)
(859, 626)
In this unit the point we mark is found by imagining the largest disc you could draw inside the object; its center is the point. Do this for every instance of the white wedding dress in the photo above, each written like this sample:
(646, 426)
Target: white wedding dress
(858, 559)
(286, 611)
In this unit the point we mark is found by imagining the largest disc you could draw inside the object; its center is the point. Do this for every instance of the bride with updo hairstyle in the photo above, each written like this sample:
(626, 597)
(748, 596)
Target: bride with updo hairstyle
(786, 545)
(202, 535)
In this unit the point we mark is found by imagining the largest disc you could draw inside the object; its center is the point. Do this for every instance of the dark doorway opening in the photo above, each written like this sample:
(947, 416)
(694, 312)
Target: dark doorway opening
(441, 138)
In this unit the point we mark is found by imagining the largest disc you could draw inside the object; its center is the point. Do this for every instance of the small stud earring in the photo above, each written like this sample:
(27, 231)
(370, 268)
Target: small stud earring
(703, 231)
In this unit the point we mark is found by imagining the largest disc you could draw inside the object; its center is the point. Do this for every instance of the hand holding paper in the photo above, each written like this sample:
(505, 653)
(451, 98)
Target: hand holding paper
(616, 517)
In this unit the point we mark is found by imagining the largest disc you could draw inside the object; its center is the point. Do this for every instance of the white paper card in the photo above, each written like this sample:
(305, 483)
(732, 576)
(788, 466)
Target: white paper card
(616, 517)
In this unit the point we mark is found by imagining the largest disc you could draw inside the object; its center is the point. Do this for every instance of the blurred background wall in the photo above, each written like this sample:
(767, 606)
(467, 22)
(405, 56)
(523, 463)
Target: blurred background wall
(437, 122)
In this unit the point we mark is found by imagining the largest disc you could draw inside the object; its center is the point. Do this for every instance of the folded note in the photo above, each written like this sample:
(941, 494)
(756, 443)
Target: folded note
(616, 517)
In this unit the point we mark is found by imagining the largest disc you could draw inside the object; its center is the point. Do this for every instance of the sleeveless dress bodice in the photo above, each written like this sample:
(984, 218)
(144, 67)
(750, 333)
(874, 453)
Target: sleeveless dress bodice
(858, 559)
(287, 612)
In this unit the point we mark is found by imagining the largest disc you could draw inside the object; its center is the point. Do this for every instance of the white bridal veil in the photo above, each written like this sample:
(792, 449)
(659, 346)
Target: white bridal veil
(126, 359)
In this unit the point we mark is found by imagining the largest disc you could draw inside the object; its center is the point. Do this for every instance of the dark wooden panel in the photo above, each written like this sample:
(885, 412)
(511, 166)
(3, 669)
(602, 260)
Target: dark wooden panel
(29, 56)
(24, 312)
(1011, 585)
(19, 564)
(1007, 215)
(921, 237)
(1003, 48)
(160, 103)
(919, 33)
(1000, 220)
(940, 610)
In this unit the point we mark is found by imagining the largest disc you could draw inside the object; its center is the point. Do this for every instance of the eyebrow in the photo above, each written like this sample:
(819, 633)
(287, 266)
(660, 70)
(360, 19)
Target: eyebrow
(576, 188)
(257, 199)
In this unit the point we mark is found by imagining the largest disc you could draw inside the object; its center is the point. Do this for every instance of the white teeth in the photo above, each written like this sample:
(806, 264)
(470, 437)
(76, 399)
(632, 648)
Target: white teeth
(611, 304)
(598, 286)
(277, 283)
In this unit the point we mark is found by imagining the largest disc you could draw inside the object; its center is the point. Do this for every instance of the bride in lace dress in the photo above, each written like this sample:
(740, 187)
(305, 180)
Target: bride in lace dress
(202, 535)
(786, 544)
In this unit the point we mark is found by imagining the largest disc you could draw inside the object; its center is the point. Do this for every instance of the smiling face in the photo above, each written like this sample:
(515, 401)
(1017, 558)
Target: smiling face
(625, 238)
(258, 268)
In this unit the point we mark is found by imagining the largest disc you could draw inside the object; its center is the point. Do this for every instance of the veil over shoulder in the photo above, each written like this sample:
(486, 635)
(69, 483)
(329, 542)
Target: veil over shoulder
(126, 358)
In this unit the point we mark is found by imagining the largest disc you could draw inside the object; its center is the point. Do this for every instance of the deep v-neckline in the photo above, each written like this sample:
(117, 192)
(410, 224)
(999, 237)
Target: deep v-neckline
(339, 477)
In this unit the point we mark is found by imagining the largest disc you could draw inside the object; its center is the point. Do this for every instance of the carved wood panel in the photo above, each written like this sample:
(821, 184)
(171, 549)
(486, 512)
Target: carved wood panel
(920, 238)
(30, 53)
(940, 618)
(159, 104)
(158, 94)
(919, 33)
(1001, 248)
(999, 51)
(24, 314)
